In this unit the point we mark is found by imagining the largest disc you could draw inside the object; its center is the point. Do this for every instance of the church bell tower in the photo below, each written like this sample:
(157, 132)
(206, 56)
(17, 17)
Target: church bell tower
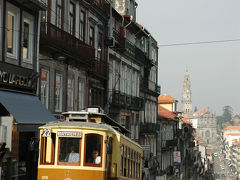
(187, 95)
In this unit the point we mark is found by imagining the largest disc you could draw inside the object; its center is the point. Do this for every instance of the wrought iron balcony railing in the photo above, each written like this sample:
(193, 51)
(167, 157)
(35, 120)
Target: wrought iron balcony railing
(149, 128)
(158, 89)
(64, 42)
(123, 43)
(169, 143)
(99, 68)
(124, 100)
(140, 55)
(33, 4)
(119, 40)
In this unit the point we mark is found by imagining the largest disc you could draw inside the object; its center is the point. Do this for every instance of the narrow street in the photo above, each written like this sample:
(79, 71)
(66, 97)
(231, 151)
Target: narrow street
(221, 169)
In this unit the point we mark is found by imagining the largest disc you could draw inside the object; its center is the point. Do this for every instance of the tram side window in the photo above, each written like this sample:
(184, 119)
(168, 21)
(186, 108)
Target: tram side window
(69, 151)
(122, 157)
(47, 149)
(125, 162)
(93, 150)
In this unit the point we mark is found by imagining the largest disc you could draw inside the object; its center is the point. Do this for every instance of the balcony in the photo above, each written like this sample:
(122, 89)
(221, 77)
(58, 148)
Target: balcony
(129, 47)
(140, 55)
(149, 128)
(100, 5)
(99, 68)
(57, 41)
(166, 144)
(158, 89)
(33, 4)
(127, 101)
(123, 44)
(119, 39)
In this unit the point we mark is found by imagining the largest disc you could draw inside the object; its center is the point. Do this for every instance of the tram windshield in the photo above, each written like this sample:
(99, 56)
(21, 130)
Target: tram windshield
(47, 149)
(69, 150)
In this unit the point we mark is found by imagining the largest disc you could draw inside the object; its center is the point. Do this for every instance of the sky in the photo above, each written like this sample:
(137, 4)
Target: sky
(214, 67)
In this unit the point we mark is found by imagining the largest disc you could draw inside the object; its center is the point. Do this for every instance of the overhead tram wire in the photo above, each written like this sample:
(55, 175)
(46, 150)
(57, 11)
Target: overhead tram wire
(199, 42)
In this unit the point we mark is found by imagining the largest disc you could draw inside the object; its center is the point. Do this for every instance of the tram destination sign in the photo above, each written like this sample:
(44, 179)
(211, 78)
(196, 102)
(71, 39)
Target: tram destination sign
(69, 134)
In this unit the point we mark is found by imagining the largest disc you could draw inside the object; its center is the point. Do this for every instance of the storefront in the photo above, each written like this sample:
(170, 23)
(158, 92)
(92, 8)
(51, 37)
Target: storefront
(21, 113)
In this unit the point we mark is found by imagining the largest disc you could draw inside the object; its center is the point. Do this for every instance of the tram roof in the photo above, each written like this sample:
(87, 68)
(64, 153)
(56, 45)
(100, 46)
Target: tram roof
(108, 120)
(79, 124)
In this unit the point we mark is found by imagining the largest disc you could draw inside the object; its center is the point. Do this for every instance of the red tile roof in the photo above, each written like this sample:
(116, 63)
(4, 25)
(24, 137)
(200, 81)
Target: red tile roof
(163, 113)
(232, 127)
(234, 134)
(236, 143)
(184, 120)
(165, 98)
(208, 153)
(203, 111)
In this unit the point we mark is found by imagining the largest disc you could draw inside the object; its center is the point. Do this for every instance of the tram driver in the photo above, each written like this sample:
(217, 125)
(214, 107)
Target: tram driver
(96, 159)
(72, 156)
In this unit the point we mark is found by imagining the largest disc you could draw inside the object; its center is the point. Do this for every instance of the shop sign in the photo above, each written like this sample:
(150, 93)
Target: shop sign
(146, 147)
(69, 134)
(14, 77)
(177, 158)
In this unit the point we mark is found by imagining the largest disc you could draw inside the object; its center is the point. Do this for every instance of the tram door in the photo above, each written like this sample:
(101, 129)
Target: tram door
(109, 158)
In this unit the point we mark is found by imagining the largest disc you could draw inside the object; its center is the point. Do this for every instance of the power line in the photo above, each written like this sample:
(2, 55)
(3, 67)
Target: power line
(199, 42)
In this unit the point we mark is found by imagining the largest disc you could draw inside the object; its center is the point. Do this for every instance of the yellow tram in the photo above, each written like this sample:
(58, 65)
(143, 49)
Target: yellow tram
(81, 150)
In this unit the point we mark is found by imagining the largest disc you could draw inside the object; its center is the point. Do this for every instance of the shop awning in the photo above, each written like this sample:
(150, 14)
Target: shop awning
(28, 110)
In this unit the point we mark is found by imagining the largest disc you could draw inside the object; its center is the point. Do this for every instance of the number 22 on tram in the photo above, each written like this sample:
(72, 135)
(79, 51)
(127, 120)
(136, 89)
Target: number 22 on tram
(86, 150)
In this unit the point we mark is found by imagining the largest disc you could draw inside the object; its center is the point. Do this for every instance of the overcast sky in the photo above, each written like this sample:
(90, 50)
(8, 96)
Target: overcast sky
(214, 68)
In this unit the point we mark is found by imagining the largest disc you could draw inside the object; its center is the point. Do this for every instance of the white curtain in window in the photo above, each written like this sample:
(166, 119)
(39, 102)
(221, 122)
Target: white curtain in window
(28, 38)
(70, 94)
(12, 25)
(110, 85)
(132, 131)
(81, 94)
(117, 75)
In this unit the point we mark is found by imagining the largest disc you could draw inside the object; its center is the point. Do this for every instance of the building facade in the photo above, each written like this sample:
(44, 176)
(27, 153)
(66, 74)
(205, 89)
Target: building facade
(167, 140)
(133, 66)
(235, 158)
(206, 129)
(73, 56)
(21, 112)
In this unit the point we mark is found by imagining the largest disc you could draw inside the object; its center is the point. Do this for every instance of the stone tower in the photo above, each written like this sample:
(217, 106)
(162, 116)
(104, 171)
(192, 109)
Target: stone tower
(187, 95)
